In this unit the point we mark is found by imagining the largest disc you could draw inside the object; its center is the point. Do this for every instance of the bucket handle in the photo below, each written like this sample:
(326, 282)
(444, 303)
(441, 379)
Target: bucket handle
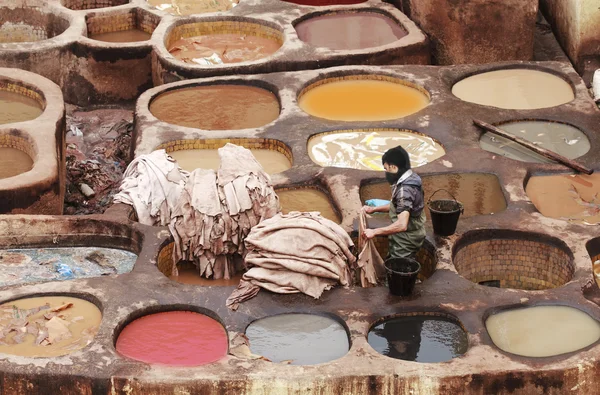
(462, 210)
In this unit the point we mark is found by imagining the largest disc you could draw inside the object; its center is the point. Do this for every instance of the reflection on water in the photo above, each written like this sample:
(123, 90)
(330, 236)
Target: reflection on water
(419, 339)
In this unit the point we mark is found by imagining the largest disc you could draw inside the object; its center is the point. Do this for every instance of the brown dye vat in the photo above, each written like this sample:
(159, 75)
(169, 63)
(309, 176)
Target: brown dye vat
(350, 31)
(18, 108)
(307, 199)
(217, 107)
(14, 162)
(188, 274)
(271, 161)
(480, 193)
(223, 48)
(189, 7)
(123, 36)
(566, 196)
(31, 332)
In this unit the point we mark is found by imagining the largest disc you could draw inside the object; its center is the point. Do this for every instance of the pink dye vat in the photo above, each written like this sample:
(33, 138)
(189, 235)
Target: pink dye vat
(175, 338)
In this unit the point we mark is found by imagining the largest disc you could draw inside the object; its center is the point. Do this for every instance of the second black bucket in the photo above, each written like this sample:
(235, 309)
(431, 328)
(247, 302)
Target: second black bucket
(401, 275)
(444, 214)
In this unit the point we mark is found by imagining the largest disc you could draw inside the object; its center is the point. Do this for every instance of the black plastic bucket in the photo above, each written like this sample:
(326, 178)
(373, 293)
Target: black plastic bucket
(401, 275)
(444, 214)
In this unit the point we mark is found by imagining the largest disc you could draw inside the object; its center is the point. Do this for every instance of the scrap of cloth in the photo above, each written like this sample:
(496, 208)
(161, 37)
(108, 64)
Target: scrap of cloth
(293, 253)
(216, 211)
(371, 269)
(152, 184)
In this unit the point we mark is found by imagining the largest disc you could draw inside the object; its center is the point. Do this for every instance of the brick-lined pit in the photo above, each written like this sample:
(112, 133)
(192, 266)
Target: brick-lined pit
(270, 144)
(29, 24)
(243, 26)
(508, 259)
(135, 18)
(92, 4)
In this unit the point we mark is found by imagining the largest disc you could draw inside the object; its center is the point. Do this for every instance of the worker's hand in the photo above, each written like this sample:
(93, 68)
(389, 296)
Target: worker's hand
(369, 234)
(368, 209)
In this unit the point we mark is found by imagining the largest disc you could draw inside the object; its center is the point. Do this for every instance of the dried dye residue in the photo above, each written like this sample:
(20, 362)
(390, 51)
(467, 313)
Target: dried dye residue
(21, 266)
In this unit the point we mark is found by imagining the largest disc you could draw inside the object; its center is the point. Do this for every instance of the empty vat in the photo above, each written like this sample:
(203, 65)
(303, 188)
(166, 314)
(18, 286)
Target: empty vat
(572, 197)
(307, 199)
(189, 7)
(519, 260)
(542, 331)
(516, 89)
(480, 193)
(419, 338)
(175, 338)
(54, 264)
(349, 30)
(362, 98)
(561, 138)
(300, 339)
(217, 107)
(18, 105)
(47, 326)
(226, 41)
(21, 24)
(356, 149)
(272, 161)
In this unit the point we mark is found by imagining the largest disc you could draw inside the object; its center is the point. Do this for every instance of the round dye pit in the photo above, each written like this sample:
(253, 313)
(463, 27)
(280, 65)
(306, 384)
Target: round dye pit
(480, 193)
(317, 3)
(572, 197)
(542, 331)
(516, 89)
(359, 98)
(92, 4)
(175, 338)
(223, 42)
(563, 139)
(29, 24)
(505, 259)
(122, 36)
(14, 162)
(188, 274)
(134, 25)
(217, 107)
(355, 149)
(307, 199)
(272, 161)
(190, 7)
(47, 326)
(300, 339)
(16, 107)
(419, 338)
(350, 30)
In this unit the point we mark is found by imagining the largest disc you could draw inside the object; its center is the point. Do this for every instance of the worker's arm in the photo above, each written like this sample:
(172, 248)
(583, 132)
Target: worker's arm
(399, 226)
(379, 209)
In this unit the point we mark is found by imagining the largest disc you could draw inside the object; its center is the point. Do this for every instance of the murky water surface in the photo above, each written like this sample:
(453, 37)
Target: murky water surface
(122, 36)
(363, 150)
(347, 31)
(419, 339)
(518, 89)
(14, 162)
(28, 265)
(307, 199)
(175, 338)
(217, 107)
(300, 339)
(213, 49)
(542, 331)
(565, 140)
(17, 108)
(362, 100)
(47, 326)
(572, 197)
(271, 161)
(189, 7)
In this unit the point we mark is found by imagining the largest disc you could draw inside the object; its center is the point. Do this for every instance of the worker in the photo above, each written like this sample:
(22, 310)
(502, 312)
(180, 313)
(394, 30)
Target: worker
(406, 233)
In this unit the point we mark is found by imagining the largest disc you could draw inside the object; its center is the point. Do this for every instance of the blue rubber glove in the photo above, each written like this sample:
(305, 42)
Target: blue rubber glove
(376, 202)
